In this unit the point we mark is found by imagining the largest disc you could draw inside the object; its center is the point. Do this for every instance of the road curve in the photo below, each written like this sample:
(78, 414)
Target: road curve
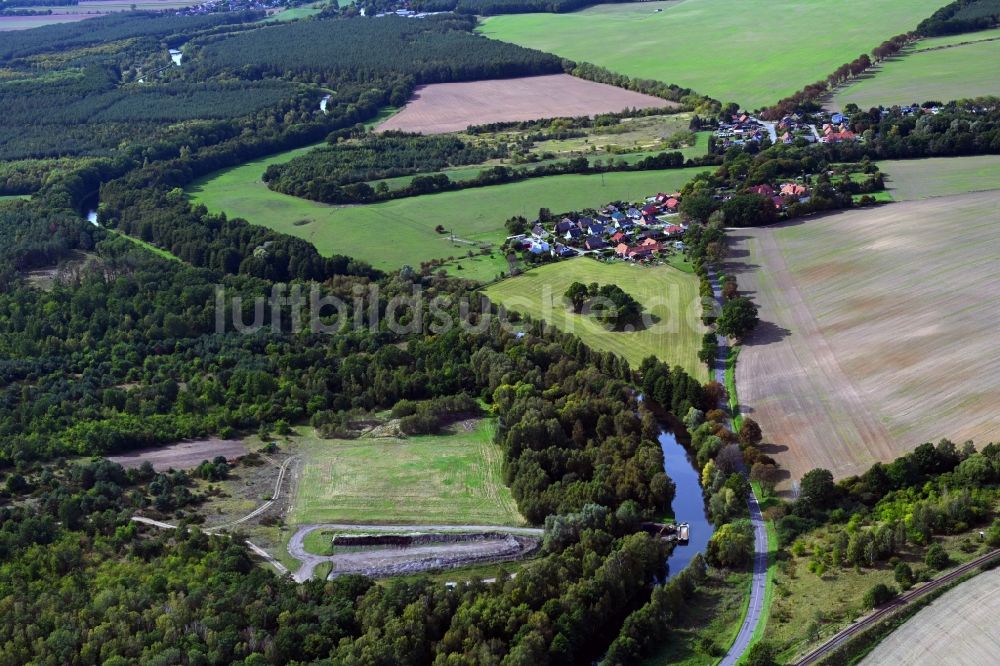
(861, 625)
(296, 545)
(758, 581)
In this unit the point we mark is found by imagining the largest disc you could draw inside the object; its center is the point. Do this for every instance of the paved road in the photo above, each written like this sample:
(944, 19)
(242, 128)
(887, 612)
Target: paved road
(758, 583)
(297, 549)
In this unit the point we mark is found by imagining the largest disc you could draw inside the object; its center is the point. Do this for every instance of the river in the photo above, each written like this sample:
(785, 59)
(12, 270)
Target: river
(688, 504)
(323, 102)
(92, 217)
(176, 56)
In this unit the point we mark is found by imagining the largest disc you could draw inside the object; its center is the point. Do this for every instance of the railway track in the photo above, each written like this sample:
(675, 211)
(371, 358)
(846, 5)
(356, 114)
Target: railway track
(842, 637)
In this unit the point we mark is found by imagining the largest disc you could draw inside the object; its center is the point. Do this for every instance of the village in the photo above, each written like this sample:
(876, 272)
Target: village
(744, 128)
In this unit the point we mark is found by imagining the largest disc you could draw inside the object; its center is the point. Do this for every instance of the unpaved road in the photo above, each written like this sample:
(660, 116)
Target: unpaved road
(296, 545)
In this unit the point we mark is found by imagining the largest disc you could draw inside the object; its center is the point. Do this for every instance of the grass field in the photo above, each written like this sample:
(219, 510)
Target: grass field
(747, 51)
(714, 613)
(877, 334)
(908, 180)
(398, 232)
(942, 73)
(959, 627)
(666, 293)
(438, 479)
(808, 608)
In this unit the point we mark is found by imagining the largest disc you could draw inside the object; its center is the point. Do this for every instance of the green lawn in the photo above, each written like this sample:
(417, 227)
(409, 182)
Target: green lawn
(907, 180)
(941, 74)
(752, 52)
(435, 479)
(667, 293)
(398, 232)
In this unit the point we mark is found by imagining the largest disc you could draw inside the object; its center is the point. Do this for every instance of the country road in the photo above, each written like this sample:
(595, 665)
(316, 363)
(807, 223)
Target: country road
(861, 625)
(263, 507)
(758, 581)
(296, 545)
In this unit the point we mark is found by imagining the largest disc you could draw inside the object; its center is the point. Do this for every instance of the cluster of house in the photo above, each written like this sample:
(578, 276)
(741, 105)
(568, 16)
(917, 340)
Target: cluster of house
(744, 128)
(741, 129)
(633, 232)
(785, 195)
(216, 6)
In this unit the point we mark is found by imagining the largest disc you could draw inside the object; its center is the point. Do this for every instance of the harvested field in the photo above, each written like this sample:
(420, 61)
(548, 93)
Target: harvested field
(183, 455)
(957, 628)
(878, 331)
(450, 107)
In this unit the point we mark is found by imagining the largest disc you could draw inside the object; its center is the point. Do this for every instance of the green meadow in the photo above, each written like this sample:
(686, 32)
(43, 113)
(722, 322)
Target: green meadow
(907, 180)
(402, 231)
(752, 52)
(436, 479)
(670, 295)
(931, 72)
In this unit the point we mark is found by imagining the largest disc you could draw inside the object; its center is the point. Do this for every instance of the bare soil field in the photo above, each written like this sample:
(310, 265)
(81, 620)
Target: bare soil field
(958, 628)
(183, 455)
(450, 107)
(878, 331)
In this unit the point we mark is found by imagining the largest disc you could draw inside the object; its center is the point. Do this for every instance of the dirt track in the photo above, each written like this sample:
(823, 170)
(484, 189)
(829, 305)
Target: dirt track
(878, 331)
(183, 455)
(451, 107)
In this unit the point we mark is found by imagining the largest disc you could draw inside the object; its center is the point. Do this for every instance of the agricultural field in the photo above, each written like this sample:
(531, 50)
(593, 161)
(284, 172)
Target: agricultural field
(928, 71)
(708, 46)
(908, 180)
(451, 107)
(668, 294)
(86, 10)
(877, 331)
(393, 233)
(960, 626)
(183, 455)
(438, 479)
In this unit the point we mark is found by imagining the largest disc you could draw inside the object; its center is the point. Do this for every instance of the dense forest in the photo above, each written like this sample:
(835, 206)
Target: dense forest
(431, 50)
(961, 16)
(111, 28)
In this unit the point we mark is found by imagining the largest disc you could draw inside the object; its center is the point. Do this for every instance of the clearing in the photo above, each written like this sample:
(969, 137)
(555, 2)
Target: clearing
(958, 627)
(667, 293)
(451, 107)
(877, 331)
(908, 180)
(447, 479)
(401, 231)
(747, 51)
(933, 69)
(183, 455)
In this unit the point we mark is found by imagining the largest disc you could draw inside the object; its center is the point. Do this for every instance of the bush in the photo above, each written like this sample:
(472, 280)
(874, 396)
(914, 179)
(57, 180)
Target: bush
(878, 594)
(936, 557)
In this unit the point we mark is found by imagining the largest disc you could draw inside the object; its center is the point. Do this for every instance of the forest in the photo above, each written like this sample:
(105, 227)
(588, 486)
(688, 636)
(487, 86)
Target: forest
(961, 16)
(432, 50)
(111, 28)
